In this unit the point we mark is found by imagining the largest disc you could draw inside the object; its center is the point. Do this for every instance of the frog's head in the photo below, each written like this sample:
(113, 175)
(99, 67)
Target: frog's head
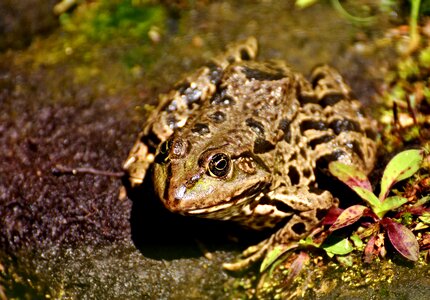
(207, 179)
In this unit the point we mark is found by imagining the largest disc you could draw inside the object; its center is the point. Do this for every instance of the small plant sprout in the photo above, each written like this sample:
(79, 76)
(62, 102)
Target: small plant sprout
(401, 167)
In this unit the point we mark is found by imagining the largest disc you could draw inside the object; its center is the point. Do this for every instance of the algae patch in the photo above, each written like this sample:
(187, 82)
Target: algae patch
(111, 42)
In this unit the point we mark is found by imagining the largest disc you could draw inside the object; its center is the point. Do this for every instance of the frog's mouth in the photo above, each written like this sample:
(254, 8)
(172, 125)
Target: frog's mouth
(225, 210)
(210, 209)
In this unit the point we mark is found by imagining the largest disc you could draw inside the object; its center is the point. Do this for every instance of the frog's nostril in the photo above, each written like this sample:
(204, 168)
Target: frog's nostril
(192, 181)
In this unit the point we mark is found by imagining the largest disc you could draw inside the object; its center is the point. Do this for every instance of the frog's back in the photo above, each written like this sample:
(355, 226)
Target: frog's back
(247, 111)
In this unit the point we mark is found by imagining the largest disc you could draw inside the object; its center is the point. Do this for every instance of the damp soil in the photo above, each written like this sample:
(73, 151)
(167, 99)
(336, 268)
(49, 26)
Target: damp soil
(81, 104)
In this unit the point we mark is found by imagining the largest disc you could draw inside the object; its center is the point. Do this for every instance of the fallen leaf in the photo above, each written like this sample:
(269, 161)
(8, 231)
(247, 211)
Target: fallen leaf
(425, 241)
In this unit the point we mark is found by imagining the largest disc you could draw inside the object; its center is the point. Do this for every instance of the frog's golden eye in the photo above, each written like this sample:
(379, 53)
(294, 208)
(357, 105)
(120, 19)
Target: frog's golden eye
(219, 165)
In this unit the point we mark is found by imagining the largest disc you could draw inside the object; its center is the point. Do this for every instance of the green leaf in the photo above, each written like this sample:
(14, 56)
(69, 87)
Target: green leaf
(305, 3)
(273, 255)
(422, 201)
(347, 261)
(358, 243)
(349, 175)
(349, 216)
(424, 57)
(389, 203)
(368, 197)
(308, 241)
(421, 226)
(338, 247)
(402, 166)
(425, 218)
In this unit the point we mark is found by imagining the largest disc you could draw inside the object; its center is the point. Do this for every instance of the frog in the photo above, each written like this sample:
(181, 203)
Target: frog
(241, 140)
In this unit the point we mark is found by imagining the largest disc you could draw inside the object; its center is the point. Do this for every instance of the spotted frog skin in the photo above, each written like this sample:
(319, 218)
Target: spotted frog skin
(241, 140)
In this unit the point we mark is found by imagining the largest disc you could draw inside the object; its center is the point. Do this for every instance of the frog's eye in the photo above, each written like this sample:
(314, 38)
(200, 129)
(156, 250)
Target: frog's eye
(219, 165)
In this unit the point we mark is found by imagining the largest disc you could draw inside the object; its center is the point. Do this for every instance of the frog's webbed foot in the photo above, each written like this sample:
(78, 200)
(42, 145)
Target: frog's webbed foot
(137, 163)
(250, 256)
(328, 83)
(304, 210)
(326, 87)
(258, 252)
(236, 52)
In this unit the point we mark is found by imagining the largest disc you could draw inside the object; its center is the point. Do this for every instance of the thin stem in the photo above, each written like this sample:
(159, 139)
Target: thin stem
(413, 25)
(363, 20)
(61, 170)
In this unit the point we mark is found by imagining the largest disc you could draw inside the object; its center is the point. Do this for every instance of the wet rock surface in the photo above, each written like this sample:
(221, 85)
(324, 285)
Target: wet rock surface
(22, 21)
(39, 208)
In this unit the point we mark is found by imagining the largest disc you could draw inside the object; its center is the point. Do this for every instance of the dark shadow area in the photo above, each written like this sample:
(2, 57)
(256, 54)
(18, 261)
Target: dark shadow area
(337, 188)
(160, 234)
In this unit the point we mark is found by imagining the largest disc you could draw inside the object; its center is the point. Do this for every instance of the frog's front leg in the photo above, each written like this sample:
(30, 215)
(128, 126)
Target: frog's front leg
(304, 209)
